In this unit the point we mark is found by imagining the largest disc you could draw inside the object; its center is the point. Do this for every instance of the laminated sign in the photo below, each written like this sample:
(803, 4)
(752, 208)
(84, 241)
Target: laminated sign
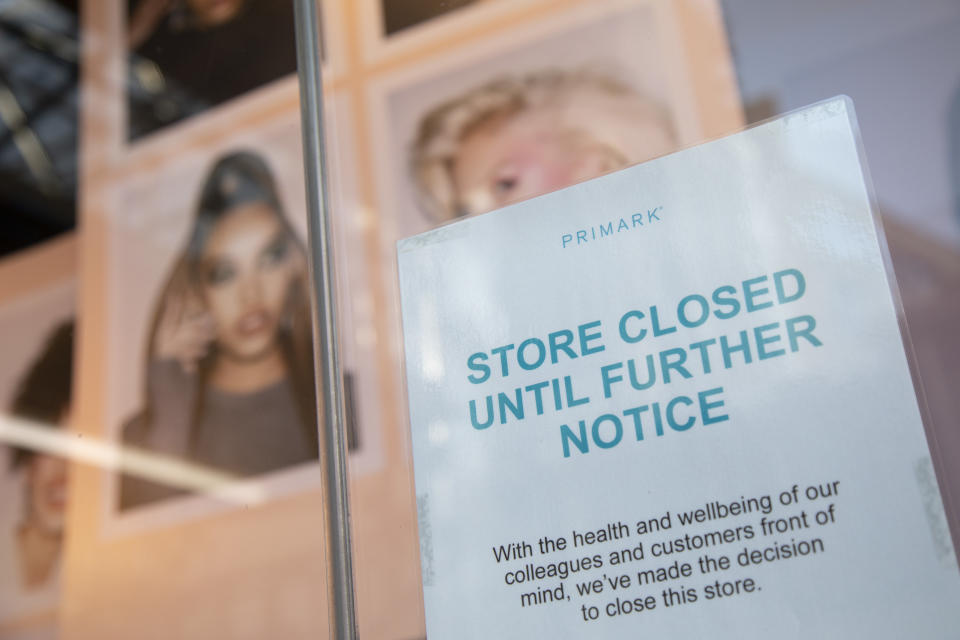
(675, 400)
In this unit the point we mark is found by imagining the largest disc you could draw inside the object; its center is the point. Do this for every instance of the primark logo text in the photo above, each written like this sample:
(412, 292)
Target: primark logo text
(635, 222)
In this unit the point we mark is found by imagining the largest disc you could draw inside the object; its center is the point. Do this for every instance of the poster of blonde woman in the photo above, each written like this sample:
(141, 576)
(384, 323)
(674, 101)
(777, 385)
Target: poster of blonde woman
(578, 94)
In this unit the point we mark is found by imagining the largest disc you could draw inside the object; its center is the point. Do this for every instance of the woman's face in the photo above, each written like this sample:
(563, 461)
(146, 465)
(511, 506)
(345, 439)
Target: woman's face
(523, 156)
(47, 476)
(247, 268)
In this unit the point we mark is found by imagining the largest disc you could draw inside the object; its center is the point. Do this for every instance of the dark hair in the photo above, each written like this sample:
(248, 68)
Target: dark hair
(43, 394)
(236, 179)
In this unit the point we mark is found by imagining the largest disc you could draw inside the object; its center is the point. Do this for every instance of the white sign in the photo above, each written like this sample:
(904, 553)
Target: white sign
(675, 400)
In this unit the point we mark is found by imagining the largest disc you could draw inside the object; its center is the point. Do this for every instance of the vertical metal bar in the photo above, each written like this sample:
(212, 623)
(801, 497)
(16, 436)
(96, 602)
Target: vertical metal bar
(343, 624)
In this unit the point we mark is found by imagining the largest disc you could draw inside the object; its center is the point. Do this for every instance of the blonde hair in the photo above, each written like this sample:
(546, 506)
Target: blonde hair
(607, 110)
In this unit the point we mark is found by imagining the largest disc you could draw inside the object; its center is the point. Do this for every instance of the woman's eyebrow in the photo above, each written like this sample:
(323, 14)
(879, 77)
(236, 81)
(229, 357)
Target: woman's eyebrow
(277, 238)
(214, 259)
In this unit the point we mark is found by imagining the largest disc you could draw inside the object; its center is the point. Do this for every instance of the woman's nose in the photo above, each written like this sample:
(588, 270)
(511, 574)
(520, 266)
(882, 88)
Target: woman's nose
(251, 289)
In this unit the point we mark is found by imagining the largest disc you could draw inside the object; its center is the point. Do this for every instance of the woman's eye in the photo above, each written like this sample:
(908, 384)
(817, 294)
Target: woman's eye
(220, 274)
(274, 254)
(504, 185)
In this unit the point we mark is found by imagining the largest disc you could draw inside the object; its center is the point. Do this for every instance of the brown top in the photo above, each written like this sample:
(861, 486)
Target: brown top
(243, 434)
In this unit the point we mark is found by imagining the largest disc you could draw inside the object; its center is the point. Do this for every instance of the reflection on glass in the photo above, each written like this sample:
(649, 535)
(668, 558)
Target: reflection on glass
(229, 375)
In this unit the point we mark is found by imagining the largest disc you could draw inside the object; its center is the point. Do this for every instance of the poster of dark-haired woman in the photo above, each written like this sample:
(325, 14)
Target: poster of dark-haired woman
(403, 14)
(212, 354)
(229, 358)
(186, 56)
(36, 340)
